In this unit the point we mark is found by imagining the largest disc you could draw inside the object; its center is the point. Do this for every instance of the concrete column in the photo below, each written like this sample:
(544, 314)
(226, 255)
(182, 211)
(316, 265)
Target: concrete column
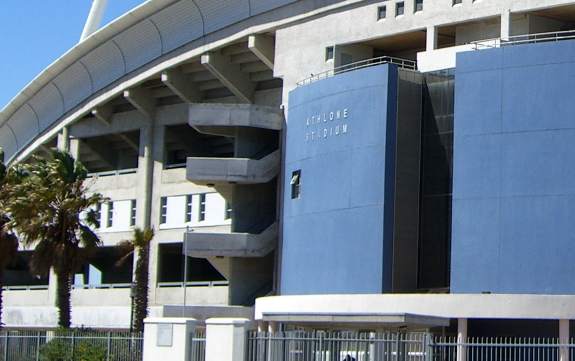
(461, 339)
(505, 24)
(168, 338)
(64, 140)
(272, 327)
(564, 340)
(63, 144)
(226, 339)
(145, 174)
(75, 148)
(52, 287)
(431, 43)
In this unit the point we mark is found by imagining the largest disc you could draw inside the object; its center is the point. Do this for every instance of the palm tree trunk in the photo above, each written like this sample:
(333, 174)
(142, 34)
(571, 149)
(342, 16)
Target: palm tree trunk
(63, 301)
(141, 296)
(1, 296)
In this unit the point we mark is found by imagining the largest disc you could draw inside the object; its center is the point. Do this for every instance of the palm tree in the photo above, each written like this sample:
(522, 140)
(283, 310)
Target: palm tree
(46, 199)
(140, 245)
(8, 241)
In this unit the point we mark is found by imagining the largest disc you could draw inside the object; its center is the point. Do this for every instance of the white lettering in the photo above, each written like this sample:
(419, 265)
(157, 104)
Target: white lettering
(345, 113)
(344, 128)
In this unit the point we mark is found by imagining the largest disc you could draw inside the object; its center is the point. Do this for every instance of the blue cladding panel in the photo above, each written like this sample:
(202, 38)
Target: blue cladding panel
(334, 238)
(514, 173)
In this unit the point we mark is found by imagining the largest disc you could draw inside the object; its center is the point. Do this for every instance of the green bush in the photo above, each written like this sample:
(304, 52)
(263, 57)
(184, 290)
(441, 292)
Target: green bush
(86, 351)
(56, 350)
(61, 350)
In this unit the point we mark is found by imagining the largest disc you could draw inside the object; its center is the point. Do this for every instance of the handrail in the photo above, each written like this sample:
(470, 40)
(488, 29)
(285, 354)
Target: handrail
(102, 286)
(524, 39)
(25, 288)
(113, 172)
(402, 63)
(193, 284)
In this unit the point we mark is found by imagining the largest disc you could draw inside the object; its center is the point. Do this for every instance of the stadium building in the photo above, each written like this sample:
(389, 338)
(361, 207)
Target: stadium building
(320, 163)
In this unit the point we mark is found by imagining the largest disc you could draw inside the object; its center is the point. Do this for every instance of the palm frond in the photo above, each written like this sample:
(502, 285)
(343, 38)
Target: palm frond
(88, 239)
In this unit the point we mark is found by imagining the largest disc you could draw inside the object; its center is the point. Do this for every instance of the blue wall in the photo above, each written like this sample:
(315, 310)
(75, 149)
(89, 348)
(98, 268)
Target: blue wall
(337, 235)
(514, 170)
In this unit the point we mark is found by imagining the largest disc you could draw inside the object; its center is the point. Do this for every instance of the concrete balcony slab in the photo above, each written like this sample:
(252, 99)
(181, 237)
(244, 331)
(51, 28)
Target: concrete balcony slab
(233, 170)
(204, 245)
(219, 118)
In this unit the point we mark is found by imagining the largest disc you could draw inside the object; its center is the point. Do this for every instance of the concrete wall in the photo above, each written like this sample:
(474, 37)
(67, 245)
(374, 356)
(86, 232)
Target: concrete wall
(340, 229)
(513, 193)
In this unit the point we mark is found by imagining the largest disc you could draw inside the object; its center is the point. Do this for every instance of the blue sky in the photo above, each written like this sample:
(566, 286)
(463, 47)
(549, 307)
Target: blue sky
(35, 33)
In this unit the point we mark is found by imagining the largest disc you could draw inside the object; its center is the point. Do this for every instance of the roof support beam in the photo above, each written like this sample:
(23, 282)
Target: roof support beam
(182, 85)
(142, 100)
(263, 46)
(104, 113)
(128, 141)
(230, 75)
(102, 153)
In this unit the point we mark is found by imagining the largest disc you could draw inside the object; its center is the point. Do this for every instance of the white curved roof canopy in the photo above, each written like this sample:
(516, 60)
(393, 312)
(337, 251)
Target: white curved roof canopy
(133, 40)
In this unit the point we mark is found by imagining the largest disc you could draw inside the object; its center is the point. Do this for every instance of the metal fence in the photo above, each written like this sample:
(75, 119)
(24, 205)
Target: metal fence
(69, 345)
(502, 348)
(372, 346)
(336, 346)
(198, 347)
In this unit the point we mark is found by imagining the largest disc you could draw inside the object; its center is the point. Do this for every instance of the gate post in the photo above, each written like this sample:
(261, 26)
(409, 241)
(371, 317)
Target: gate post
(168, 338)
(461, 339)
(563, 340)
(226, 339)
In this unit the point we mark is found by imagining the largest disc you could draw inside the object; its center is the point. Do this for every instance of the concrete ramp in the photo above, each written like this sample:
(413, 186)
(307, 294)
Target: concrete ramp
(233, 170)
(203, 245)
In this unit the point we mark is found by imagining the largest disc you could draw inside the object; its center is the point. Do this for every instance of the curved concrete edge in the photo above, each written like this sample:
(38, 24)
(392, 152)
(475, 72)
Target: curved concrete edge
(233, 170)
(492, 306)
(130, 18)
(231, 244)
(234, 115)
(167, 61)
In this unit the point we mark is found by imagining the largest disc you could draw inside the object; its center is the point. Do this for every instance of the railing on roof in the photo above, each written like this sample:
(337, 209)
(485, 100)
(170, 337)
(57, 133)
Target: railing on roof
(524, 39)
(402, 63)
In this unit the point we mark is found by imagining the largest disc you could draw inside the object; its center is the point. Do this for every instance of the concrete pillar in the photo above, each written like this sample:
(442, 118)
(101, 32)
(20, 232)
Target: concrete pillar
(145, 174)
(564, 340)
(64, 140)
(431, 43)
(226, 339)
(52, 287)
(461, 339)
(75, 148)
(63, 144)
(505, 24)
(168, 338)
(272, 327)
